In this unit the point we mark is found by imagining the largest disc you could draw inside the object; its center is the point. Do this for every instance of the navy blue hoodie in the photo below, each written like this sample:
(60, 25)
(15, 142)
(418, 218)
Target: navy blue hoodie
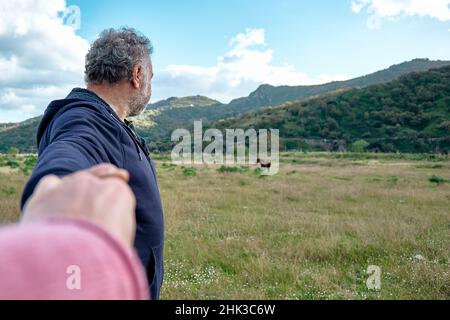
(81, 131)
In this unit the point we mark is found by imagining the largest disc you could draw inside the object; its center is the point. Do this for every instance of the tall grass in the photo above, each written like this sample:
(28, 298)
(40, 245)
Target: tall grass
(309, 232)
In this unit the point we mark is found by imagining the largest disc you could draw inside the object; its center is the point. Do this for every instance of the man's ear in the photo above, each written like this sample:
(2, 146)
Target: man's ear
(137, 77)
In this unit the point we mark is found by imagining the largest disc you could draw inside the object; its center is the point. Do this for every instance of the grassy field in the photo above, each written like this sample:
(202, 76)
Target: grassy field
(309, 232)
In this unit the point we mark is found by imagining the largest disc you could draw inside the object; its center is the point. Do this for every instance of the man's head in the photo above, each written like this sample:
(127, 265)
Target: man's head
(122, 58)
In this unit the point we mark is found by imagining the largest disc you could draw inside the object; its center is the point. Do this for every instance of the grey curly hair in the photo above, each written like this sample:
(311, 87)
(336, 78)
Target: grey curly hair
(113, 55)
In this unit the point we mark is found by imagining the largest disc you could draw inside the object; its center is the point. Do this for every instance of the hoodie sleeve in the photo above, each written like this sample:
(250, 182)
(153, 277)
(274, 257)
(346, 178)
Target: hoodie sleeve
(73, 142)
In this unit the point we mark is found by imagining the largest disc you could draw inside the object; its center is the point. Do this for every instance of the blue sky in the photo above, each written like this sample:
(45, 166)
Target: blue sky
(320, 36)
(278, 42)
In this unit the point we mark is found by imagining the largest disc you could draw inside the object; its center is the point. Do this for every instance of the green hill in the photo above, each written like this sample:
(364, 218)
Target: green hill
(186, 102)
(21, 135)
(161, 118)
(267, 95)
(165, 122)
(411, 114)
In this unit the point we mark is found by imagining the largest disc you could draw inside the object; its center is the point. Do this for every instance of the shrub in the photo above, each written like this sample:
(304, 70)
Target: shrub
(190, 172)
(359, 146)
(30, 162)
(12, 164)
(13, 151)
(437, 179)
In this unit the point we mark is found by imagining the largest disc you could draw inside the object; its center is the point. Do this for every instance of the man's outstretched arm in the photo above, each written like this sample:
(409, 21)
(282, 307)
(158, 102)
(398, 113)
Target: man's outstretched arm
(73, 145)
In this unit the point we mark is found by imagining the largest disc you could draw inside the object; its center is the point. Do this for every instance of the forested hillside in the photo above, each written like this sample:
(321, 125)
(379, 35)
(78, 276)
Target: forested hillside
(411, 114)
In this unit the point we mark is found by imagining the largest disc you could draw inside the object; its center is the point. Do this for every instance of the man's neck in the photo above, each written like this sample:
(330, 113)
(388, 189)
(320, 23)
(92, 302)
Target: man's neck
(113, 95)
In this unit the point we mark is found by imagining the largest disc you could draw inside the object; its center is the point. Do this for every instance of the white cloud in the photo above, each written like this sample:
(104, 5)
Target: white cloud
(41, 58)
(378, 9)
(250, 38)
(247, 64)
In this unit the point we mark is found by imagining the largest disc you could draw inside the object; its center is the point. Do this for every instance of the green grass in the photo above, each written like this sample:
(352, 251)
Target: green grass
(190, 172)
(169, 166)
(224, 169)
(8, 191)
(291, 156)
(309, 232)
(21, 163)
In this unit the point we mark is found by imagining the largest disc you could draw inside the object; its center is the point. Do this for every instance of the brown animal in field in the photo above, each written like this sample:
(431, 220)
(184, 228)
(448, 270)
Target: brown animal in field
(264, 164)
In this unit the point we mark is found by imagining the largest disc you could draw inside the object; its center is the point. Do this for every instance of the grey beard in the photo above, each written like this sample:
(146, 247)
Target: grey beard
(137, 105)
(136, 110)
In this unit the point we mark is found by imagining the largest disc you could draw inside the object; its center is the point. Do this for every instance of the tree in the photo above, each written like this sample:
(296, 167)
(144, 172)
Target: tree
(13, 151)
(359, 146)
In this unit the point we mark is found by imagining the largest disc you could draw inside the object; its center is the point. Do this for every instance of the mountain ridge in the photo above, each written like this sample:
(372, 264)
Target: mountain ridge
(280, 94)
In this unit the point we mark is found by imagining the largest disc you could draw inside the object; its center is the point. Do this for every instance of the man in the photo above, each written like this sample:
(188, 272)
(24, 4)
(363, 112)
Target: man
(89, 127)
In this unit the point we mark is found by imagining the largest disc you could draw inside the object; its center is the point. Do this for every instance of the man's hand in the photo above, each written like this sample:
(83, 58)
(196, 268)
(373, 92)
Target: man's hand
(100, 195)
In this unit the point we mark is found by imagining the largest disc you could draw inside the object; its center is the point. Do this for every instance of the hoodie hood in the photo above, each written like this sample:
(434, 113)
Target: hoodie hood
(58, 107)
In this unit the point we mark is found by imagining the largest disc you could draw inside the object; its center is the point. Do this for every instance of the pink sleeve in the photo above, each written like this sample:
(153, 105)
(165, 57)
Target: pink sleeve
(67, 259)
